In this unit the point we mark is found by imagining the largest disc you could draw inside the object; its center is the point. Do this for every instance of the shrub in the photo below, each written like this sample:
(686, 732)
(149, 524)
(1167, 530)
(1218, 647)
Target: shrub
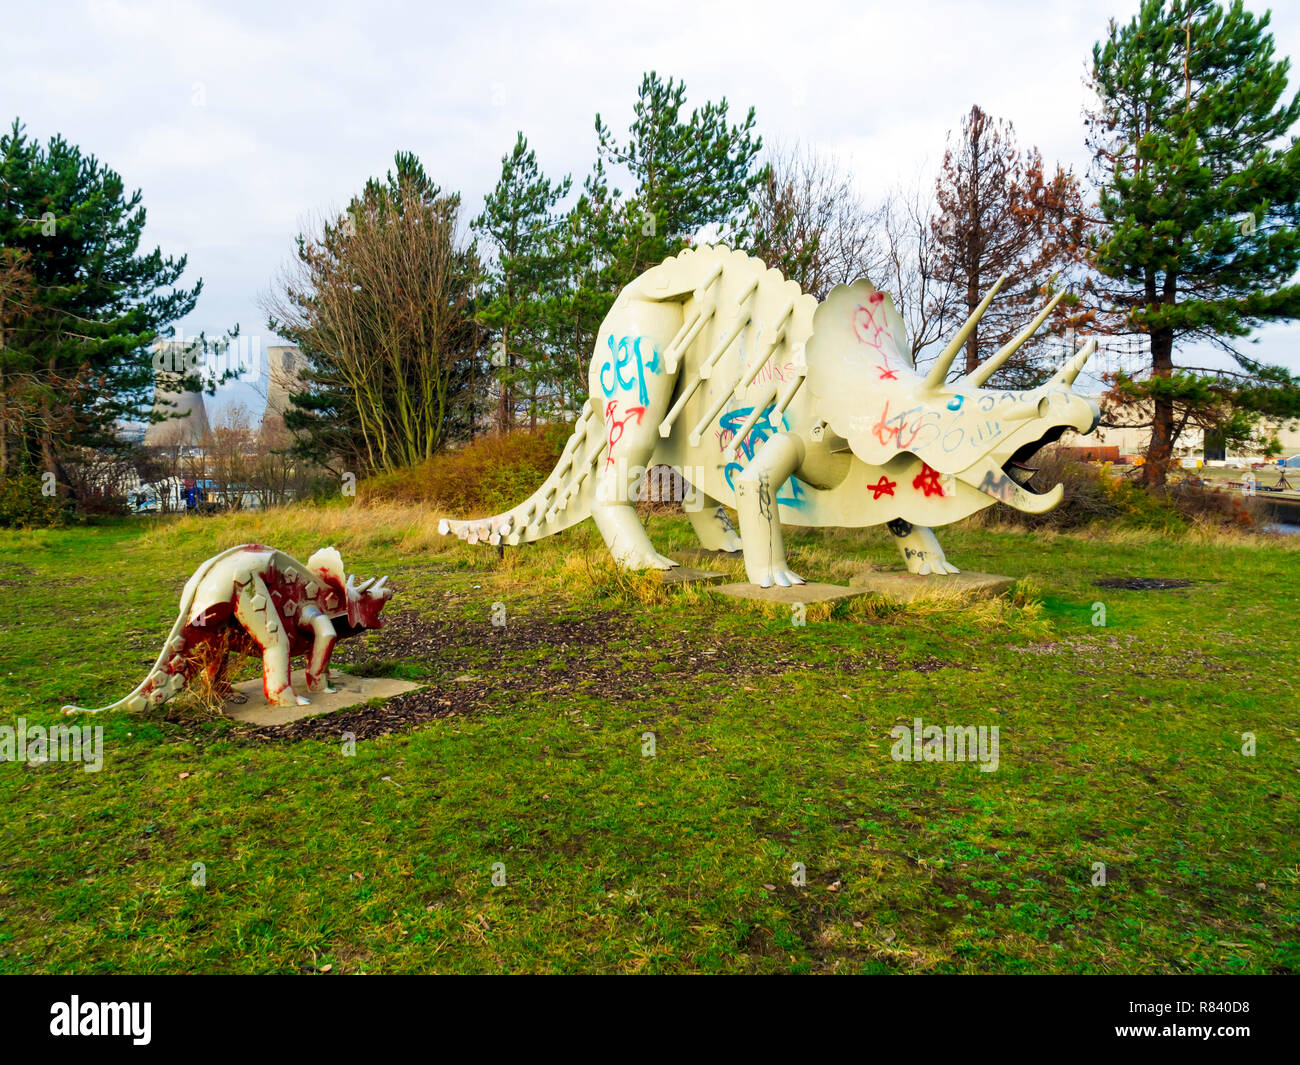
(1109, 495)
(24, 506)
(1200, 503)
(490, 474)
(1093, 495)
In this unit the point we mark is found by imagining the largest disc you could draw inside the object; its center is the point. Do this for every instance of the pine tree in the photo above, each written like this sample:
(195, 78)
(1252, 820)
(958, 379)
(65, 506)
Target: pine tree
(74, 360)
(1000, 212)
(688, 174)
(1199, 191)
(518, 225)
(555, 277)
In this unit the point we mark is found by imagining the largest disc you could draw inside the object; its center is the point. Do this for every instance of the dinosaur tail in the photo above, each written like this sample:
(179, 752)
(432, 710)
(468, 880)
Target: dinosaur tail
(564, 499)
(161, 679)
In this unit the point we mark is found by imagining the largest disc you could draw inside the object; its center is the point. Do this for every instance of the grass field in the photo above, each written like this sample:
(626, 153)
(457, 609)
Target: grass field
(1120, 744)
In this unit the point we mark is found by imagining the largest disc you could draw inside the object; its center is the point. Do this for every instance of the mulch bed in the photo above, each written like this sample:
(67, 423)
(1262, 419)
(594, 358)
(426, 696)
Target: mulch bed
(581, 657)
(1143, 584)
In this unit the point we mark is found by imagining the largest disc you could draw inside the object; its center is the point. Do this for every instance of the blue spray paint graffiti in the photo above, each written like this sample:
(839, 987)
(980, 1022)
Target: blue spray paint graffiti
(792, 494)
(622, 356)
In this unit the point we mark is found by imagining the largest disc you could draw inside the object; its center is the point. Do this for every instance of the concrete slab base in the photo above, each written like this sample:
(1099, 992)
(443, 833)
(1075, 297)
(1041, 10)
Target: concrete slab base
(352, 691)
(685, 575)
(798, 593)
(908, 587)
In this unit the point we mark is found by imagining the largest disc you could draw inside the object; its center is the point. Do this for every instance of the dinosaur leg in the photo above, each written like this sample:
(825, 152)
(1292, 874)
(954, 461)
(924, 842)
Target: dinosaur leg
(760, 524)
(323, 640)
(712, 526)
(920, 548)
(615, 515)
(630, 389)
(254, 611)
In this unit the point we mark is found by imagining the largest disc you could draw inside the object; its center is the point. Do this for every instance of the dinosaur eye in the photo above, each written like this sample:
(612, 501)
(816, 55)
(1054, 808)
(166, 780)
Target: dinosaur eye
(956, 402)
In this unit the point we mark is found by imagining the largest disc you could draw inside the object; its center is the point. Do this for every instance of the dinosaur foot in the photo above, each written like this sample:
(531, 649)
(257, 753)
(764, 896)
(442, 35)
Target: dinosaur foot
(731, 544)
(649, 560)
(779, 576)
(938, 567)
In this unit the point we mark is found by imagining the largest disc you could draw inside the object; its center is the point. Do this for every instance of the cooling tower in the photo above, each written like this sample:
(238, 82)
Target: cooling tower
(170, 400)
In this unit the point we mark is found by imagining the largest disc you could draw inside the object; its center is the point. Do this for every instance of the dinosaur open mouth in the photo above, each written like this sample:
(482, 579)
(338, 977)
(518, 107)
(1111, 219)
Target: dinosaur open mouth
(1017, 466)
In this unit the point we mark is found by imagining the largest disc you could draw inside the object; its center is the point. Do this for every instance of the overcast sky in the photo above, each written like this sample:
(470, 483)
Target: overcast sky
(240, 121)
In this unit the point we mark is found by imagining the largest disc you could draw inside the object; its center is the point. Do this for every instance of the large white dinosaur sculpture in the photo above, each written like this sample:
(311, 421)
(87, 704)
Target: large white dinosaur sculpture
(793, 412)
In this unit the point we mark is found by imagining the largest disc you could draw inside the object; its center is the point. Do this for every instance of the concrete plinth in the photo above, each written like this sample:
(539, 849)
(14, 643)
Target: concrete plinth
(352, 691)
(798, 593)
(907, 587)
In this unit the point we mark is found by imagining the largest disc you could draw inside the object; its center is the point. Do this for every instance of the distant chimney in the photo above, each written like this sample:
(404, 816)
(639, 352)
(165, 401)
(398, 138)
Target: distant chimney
(283, 367)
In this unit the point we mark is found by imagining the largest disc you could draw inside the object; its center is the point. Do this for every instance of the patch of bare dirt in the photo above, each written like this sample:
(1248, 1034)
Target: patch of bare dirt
(1144, 584)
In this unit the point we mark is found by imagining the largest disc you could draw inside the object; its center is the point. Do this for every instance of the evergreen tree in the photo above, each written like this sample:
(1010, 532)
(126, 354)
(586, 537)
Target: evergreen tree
(592, 275)
(1199, 190)
(524, 281)
(687, 173)
(74, 357)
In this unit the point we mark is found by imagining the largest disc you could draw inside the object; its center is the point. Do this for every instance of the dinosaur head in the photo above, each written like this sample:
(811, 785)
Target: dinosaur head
(974, 444)
(366, 600)
(363, 601)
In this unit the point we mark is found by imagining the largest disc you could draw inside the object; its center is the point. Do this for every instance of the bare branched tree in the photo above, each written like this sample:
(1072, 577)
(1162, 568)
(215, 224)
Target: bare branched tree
(808, 221)
(912, 273)
(1002, 211)
(379, 304)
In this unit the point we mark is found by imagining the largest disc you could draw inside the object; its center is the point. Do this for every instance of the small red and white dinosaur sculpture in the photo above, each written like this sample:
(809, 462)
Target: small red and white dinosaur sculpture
(255, 599)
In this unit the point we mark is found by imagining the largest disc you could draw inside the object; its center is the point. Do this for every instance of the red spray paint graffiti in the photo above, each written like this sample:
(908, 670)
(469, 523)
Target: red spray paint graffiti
(615, 427)
(883, 487)
(872, 333)
(927, 481)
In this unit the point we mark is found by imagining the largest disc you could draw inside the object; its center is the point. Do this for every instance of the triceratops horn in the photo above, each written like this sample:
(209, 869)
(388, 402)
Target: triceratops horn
(939, 371)
(379, 585)
(364, 585)
(989, 367)
(1067, 373)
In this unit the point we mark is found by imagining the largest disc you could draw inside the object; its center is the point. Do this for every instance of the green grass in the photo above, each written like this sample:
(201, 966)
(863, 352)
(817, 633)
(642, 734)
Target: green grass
(1119, 744)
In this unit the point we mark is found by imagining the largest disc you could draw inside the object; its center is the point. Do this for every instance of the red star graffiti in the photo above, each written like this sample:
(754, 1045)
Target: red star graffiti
(927, 481)
(883, 487)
